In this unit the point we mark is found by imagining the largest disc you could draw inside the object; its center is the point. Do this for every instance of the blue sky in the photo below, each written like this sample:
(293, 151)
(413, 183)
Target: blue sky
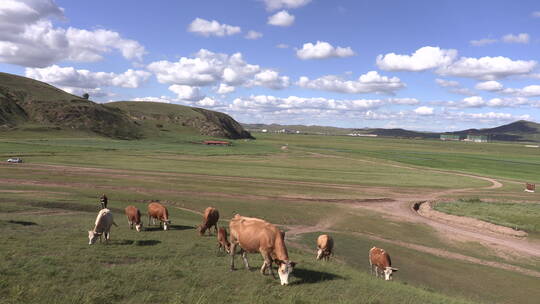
(423, 65)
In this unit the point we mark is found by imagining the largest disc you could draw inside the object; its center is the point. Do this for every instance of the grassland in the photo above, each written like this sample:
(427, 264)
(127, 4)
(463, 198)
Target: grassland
(514, 215)
(49, 202)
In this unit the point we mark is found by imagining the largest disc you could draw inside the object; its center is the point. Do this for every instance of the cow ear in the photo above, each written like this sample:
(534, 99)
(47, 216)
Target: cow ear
(293, 264)
(395, 269)
(278, 262)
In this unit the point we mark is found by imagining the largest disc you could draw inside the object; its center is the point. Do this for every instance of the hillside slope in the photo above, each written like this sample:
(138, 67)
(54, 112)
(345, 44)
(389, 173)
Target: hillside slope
(521, 130)
(176, 117)
(30, 104)
(26, 102)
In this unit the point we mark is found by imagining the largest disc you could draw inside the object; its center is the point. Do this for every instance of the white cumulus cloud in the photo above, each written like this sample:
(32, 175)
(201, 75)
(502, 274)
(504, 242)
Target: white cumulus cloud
(28, 38)
(370, 82)
(185, 92)
(487, 68)
(273, 5)
(225, 89)
(281, 18)
(212, 28)
(424, 58)
(519, 38)
(253, 35)
(423, 110)
(322, 50)
(69, 77)
(491, 85)
(446, 83)
(208, 68)
(483, 41)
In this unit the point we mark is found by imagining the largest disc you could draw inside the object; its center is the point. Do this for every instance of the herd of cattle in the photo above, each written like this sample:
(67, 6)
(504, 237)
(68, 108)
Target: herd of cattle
(250, 235)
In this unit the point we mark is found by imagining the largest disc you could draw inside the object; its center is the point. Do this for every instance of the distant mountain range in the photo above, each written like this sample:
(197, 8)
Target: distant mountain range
(27, 104)
(517, 131)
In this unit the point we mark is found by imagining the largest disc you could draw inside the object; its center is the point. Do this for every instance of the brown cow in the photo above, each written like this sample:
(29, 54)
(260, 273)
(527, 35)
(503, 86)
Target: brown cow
(210, 218)
(159, 212)
(325, 245)
(134, 217)
(223, 242)
(379, 260)
(256, 235)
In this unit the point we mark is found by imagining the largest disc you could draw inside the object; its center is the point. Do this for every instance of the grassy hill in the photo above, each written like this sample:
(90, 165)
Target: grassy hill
(31, 104)
(521, 130)
(27, 104)
(162, 117)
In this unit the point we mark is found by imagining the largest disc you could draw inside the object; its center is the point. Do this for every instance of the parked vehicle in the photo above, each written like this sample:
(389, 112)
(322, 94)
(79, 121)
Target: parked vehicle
(15, 160)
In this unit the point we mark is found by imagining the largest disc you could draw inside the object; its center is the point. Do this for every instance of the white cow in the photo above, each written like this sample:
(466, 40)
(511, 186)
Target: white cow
(104, 221)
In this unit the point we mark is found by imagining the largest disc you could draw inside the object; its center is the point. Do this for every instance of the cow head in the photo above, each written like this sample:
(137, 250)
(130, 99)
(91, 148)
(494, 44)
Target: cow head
(201, 229)
(388, 273)
(138, 227)
(319, 253)
(92, 237)
(166, 224)
(285, 268)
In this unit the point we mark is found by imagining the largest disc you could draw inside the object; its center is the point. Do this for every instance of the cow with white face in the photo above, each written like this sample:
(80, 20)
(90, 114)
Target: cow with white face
(104, 221)
(255, 235)
(159, 212)
(380, 261)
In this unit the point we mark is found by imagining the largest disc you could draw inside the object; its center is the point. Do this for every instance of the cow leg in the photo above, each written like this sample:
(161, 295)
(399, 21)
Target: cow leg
(130, 223)
(244, 257)
(233, 251)
(215, 229)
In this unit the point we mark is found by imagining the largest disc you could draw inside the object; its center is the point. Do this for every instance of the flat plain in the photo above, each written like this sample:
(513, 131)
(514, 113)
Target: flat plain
(360, 190)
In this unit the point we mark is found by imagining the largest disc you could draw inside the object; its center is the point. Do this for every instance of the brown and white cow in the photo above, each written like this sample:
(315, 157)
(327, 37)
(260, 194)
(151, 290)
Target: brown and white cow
(255, 235)
(104, 221)
(325, 245)
(210, 218)
(223, 242)
(134, 217)
(157, 211)
(379, 260)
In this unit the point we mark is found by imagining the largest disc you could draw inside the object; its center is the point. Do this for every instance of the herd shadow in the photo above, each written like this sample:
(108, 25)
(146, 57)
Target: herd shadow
(23, 223)
(171, 227)
(306, 276)
(147, 242)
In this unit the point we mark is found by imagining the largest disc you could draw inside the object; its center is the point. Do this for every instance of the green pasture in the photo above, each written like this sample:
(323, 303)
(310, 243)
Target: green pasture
(522, 216)
(155, 266)
(49, 202)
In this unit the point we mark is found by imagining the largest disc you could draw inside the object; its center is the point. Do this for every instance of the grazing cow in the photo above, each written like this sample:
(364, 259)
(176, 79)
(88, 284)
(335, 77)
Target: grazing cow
(379, 260)
(104, 221)
(325, 245)
(255, 235)
(223, 242)
(134, 217)
(103, 201)
(159, 212)
(210, 218)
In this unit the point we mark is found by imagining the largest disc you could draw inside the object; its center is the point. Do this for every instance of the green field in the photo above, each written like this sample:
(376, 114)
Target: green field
(50, 201)
(514, 215)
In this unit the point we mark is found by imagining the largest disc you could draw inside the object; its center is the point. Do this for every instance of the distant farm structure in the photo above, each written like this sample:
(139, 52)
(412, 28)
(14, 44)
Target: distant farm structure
(450, 137)
(470, 138)
(477, 138)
